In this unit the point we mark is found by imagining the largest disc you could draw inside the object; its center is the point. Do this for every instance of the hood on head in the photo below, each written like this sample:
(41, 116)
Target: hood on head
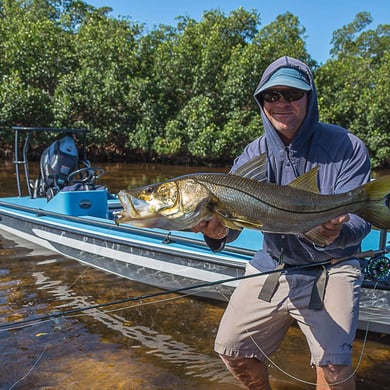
(284, 69)
(288, 77)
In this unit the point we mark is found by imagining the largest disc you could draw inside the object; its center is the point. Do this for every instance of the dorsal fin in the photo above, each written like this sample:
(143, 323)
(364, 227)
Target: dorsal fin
(256, 168)
(307, 182)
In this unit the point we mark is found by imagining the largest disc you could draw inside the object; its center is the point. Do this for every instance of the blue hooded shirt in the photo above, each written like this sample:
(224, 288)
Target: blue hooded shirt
(343, 163)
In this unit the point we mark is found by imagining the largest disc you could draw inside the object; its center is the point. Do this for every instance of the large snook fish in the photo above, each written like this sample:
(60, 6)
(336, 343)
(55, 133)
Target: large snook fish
(243, 202)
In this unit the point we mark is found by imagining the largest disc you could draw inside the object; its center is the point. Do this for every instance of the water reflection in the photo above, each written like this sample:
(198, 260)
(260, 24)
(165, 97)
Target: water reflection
(138, 326)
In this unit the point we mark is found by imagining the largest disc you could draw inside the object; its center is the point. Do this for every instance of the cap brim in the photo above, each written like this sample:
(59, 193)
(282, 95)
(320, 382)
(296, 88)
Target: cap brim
(286, 82)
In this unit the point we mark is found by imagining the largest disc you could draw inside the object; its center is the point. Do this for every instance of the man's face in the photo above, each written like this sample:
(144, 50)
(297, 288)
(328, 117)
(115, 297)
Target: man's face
(286, 116)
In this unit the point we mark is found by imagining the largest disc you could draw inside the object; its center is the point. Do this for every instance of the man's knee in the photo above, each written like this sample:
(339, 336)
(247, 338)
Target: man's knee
(236, 363)
(336, 374)
(249, 371)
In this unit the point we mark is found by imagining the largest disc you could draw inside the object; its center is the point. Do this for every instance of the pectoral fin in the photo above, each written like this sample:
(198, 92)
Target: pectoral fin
(236, 223)
(248, 225)
(230, 224)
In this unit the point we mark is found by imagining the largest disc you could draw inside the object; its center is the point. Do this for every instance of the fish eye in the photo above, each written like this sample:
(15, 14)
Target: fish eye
(149, 190)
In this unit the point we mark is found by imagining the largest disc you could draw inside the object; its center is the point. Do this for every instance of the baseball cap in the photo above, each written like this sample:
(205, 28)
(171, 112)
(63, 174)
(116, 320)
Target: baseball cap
(289, 77)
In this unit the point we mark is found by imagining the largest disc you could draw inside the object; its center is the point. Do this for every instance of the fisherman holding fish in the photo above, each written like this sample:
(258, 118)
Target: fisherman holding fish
(325, 300)
(304, 184)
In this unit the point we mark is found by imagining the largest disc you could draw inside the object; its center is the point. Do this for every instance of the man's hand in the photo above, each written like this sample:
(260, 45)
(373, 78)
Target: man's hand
(330, 230)
(212, 228)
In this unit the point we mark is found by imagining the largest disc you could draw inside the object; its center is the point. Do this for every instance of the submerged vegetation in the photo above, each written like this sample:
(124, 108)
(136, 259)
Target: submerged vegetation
(177, 93)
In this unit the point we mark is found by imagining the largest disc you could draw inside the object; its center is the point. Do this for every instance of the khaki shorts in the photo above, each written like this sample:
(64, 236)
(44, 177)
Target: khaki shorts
(251, 327)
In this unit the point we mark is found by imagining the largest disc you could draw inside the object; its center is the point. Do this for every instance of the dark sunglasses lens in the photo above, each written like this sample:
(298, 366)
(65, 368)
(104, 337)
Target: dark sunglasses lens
(289, 95)
(271, 96)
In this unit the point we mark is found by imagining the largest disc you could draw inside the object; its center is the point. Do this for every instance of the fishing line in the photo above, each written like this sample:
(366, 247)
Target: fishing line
(21, 326)
(181, 296)
(40, 320)
(87, 269)
(141, 304)
(279, 368)
(5, 327)
(31, 369)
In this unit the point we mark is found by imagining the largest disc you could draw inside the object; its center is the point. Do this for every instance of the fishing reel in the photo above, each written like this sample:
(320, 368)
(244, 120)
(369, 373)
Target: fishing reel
(378, 268)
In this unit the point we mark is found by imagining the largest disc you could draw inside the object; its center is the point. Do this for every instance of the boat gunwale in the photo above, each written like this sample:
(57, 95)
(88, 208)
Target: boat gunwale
(166, 238)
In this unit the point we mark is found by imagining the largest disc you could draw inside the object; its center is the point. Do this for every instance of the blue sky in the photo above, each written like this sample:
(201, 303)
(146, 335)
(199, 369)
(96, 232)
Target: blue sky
(320, 18)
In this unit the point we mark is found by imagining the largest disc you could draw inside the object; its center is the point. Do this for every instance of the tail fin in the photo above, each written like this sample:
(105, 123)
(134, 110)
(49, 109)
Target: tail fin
(377, 211)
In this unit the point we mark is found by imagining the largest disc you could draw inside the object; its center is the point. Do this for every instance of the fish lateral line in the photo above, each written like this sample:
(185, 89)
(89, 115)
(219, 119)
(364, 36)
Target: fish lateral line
(274, 205)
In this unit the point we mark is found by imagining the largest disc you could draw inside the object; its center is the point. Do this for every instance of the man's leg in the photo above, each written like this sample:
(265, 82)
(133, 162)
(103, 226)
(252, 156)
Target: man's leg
(343, 375)
(251, 372)
(330, 332)
(251, 328)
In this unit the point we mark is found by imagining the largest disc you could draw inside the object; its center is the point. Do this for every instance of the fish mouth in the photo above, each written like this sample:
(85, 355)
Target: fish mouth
(135, 207)
(135, 211)
(139, 213)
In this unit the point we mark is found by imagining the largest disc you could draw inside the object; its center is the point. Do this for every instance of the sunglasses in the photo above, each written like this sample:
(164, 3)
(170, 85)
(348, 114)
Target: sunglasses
(291, 95)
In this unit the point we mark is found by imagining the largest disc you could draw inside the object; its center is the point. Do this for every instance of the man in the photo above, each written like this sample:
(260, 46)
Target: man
(324, 301)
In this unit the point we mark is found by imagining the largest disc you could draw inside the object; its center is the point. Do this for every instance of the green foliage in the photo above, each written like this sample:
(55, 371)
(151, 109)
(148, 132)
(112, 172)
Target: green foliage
(344, 39)
(94, 93)
(178, 92)
(354, 86)
(283, 37)
(21, 101)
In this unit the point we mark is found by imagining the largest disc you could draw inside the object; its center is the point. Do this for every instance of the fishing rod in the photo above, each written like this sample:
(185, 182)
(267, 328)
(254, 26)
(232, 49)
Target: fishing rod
(379, 271)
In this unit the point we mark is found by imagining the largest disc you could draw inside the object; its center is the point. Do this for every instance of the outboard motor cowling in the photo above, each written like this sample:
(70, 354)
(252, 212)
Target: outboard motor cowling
(57, 162)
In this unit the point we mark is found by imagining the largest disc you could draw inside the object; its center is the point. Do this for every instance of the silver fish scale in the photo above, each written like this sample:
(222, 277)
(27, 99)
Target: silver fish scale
(274, 208)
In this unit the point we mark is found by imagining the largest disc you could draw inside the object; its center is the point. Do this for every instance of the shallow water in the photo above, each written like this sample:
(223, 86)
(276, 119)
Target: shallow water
(158, 344)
